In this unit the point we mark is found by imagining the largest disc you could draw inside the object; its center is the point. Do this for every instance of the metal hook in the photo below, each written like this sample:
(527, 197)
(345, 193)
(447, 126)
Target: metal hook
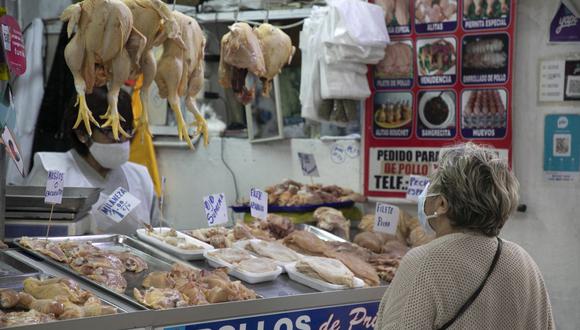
(267, 11)
(174, 1)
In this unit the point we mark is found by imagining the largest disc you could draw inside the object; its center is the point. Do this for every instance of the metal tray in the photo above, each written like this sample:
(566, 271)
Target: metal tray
(320, 233)
(157, 261)
(14, 271)
(31, 198)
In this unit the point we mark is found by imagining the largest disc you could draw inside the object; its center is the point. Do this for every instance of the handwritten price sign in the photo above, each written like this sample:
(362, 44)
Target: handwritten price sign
(386, 218)
(416, 186)
(119, 204)
(258, 203)
(215, 209)
(54, 187)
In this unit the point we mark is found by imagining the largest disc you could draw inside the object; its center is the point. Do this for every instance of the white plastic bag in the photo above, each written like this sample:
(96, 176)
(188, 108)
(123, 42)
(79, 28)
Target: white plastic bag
(337, 83)
(357, 23)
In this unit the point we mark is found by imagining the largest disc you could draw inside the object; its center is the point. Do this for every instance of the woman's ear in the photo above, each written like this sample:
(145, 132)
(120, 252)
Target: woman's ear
(82, 136)
(441, 206)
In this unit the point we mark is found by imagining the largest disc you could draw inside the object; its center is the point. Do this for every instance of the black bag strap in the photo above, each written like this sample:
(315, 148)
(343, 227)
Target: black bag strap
(478, 291)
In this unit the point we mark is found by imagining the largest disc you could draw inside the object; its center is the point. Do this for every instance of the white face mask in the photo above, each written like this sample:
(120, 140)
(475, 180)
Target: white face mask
(110, 155)
(423, 217)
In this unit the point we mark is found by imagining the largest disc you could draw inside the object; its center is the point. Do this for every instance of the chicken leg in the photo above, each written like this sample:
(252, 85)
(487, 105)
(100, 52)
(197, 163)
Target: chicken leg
(193, 88)
(121, 68)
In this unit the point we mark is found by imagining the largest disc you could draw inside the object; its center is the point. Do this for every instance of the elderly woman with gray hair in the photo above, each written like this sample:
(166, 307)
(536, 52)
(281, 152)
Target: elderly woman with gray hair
(467, 278)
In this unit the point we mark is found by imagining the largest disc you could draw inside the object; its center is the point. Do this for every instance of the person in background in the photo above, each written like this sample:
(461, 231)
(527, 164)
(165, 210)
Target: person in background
(101, 161)
(467, 278)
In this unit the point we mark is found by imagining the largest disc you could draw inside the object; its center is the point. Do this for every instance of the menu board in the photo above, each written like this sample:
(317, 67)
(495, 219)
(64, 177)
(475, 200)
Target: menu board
(446, 78)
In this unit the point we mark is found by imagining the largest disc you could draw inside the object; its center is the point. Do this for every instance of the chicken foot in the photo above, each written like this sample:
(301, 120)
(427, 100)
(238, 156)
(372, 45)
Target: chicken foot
(149, 68)
(121, 68)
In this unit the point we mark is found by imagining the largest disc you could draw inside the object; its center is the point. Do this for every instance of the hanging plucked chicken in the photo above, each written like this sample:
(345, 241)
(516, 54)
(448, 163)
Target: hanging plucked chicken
(262, 51)
(106, 39)
(180, 73)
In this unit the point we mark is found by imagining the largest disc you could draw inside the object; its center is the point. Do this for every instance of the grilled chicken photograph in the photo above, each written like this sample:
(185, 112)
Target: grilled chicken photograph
(180, 73)
(104, 37)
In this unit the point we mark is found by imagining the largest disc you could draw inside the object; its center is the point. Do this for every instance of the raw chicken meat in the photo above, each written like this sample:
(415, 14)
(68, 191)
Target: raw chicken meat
(219, 288)
(332, 220)
(46, 247)
(24, 318)
(398, 61)
(131, 262)
(373, 241)
(93, 307)
(154, 20)
(394, 249)
(180, 73)
(358, 266)
(48, 289)
(326, 269)
(3, 246)
(242, 231)
(46, 306)
(257, 265)
(292, 193)
(160, 280)
(104, 37)
(160, 298)
(278, 226)
(194, 294)
(305, 243)
(86, 265)
(272, 250)
(347, 247)
(240, 53)
(110, 278)
(218, 237)
(230, 255)
(8, 298)
(277, 50)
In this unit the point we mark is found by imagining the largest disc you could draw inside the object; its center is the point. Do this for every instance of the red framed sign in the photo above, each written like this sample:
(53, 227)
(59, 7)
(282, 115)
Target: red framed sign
(446, 78)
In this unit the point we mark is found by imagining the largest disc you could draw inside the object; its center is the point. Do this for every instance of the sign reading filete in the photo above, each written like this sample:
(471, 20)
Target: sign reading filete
(417, 184)
(258, 203)
(386, 218)
(308, 164)
(119, 204)
(215, 209)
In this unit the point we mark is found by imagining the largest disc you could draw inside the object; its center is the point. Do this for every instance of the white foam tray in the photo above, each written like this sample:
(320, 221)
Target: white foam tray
(242, 245)
(249, 277)
(317, 284)
(178, 252)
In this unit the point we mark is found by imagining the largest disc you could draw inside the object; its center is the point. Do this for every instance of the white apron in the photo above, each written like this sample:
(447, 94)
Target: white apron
(133, 177)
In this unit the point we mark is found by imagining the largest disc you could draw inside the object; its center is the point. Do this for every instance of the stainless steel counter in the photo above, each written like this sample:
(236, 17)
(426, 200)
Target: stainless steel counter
(282, 295)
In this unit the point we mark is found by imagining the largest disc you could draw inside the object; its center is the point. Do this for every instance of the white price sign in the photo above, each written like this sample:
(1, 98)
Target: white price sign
(215, 209)
(416, 186)
(308, 164)
(258, 203)
(386, 218)
(119, 204)
(54, 187)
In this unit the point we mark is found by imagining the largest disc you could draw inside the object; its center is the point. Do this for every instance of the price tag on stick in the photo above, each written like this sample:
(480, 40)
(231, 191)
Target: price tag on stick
(308, 164)
(416, 186)
(215, 209)
(119, 204)
(258, 203)
(53, 193)
(386, 218)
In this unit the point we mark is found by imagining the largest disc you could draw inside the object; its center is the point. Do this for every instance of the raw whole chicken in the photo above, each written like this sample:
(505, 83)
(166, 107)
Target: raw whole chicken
(155, 21)
(240, 52)
(105, 38)
(277, 50)
(180, 73)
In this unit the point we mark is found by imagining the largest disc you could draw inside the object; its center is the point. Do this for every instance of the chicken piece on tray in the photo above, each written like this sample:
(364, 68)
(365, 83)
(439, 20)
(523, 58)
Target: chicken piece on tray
(194, 293)
(326, 269)
(86, 264)
(74, 249)
(277, 50)
(131, 262)
(332, 220)
(278, 226)
(257, 265)
(358, 266)
(8, 298)
(160, 280)
(24, 318)
(373, 241)
(54, 287)
(218, 287)
(272, 250)
(182, 274)
(104, 37)
(180, 73)
(240, 52)
(45, 247)
(347, 247)
(230, 255)
(111, 278)
(46, 306)
(160, 298)
(305, 243)
(93, 307)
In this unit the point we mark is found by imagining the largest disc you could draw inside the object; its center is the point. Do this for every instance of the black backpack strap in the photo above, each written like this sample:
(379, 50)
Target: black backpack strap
(478, 291)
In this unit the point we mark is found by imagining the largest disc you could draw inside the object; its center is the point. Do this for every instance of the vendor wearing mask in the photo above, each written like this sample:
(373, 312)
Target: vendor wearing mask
(98, 160)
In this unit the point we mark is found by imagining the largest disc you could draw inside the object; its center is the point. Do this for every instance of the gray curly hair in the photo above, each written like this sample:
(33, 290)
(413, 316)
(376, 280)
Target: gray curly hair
(480, 188)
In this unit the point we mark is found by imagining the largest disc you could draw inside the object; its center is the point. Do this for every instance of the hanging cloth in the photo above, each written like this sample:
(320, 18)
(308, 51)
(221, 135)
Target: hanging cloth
(142, 149)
